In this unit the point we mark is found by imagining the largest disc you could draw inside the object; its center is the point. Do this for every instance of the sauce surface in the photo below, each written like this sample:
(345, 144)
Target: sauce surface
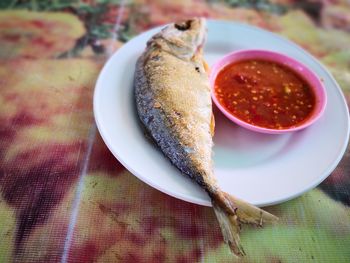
(265, 94)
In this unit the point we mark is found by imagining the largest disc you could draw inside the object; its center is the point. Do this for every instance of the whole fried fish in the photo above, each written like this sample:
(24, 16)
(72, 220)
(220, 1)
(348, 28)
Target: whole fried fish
(173, 102)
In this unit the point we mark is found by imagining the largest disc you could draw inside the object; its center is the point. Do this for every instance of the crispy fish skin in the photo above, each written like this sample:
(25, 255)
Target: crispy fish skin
(172, 94)
(174, 104)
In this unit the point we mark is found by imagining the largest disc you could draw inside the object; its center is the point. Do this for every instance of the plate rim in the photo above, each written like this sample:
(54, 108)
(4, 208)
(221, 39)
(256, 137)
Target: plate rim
(196, 200)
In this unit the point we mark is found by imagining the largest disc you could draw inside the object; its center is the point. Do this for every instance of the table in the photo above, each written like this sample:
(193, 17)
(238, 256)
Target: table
(65, 198)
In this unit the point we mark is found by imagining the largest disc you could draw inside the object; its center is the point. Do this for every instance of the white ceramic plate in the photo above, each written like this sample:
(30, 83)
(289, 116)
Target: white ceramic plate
(262, 169)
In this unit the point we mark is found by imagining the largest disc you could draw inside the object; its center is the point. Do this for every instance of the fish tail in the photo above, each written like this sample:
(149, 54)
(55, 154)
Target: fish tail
(230, 229)
(231, 212)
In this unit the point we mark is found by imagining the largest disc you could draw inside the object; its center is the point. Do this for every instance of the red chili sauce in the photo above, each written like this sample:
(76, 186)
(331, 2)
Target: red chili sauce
(265, 94)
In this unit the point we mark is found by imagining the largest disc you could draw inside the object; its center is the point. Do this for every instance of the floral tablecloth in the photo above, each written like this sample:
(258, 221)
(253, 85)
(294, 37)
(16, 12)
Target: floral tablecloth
(65, 198)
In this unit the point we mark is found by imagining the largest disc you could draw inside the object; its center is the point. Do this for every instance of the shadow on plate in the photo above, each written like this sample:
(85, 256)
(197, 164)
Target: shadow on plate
(236, 147)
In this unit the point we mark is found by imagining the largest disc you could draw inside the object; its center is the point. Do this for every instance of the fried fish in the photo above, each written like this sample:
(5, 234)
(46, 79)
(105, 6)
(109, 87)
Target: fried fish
(172, 95)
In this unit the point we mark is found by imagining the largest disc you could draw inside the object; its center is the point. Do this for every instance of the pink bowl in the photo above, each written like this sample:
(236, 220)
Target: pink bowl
(302, 70)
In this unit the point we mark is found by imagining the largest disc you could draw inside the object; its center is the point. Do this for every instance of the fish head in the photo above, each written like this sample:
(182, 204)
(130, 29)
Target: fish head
(183, 39)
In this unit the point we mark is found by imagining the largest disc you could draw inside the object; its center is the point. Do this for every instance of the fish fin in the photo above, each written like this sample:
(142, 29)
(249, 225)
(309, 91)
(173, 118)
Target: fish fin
(249, 214)
(212, 125)
(231, 212)
(230, 229)
(206, 67)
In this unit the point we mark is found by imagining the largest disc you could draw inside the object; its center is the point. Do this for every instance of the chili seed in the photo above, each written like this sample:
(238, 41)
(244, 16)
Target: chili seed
(287, 89)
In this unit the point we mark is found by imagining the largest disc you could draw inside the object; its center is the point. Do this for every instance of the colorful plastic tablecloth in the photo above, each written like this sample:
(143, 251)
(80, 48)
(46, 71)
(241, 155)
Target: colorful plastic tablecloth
(65, 198)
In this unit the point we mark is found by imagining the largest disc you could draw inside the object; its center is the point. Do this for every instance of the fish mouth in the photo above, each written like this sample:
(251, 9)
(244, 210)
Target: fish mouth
(193, 23)
(183, 39)
(197, 25)
(184, 25)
